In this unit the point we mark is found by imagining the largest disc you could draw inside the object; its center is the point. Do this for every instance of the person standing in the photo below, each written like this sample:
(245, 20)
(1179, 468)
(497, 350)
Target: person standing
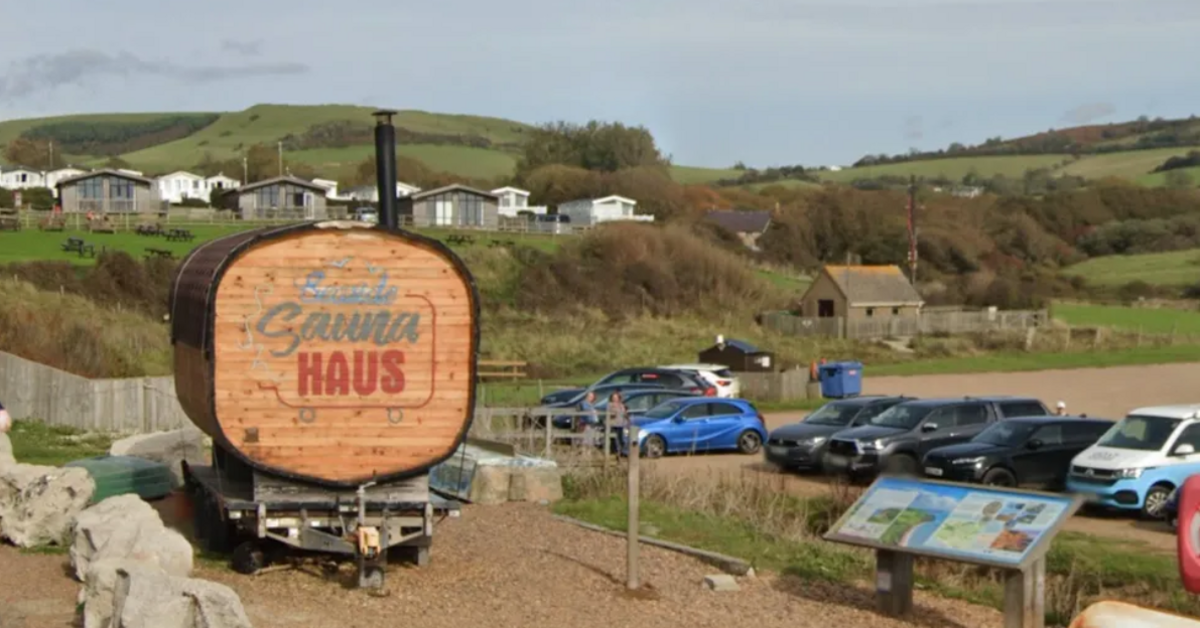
(615, 416)
(588, 420)
(1060, 409)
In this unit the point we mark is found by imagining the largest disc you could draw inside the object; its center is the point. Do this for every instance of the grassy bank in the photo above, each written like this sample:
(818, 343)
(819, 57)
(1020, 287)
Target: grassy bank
(1035, 361)
(752, 519)
(1145, 320)
(35, 442)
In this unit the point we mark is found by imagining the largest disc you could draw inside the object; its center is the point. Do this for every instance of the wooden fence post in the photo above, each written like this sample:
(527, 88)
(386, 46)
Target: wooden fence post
(549, 425)
(607, 441)
(631, 564)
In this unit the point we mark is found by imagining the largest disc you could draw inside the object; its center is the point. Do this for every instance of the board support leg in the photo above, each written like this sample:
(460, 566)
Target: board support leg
(894, 583)
(1025, 597)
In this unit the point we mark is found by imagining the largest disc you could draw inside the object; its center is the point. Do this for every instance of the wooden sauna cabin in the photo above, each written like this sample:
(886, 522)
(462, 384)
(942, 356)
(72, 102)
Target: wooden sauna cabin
(330, 353)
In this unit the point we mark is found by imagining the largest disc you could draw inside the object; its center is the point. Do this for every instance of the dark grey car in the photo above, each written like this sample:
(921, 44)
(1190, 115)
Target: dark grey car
(896, 439)
(802, 445)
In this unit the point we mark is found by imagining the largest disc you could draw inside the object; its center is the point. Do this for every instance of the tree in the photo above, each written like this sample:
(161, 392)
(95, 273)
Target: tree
(32, 154)
(1179, 180)
(606, 147)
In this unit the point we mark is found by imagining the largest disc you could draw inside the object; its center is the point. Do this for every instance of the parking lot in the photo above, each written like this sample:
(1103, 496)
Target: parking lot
(1109, 393)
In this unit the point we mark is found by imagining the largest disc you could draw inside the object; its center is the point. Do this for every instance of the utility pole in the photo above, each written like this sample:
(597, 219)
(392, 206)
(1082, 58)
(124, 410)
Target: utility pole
(245, 170)
(281, 159)
(50, 146)
(912, 229)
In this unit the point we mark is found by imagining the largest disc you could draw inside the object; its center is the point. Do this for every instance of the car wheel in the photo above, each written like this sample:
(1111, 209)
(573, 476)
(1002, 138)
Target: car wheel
(902, 464)
(1156, 499)
(1000, 477)
(749, 442)
(655, 446)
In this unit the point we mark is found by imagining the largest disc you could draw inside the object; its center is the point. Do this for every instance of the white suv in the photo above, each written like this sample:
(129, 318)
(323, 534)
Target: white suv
(726, 383)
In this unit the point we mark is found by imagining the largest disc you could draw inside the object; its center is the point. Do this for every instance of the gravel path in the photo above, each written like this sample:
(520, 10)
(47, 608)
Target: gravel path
(508, 566)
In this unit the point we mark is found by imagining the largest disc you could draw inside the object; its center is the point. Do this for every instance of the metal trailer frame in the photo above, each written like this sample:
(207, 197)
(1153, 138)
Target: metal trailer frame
(244, 512)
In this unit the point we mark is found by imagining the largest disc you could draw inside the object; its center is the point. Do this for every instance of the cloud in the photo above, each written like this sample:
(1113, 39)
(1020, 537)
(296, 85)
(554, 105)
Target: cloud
(1084, 114)
(932, 501)
(249, 48)
(914, 128)
(46, 72)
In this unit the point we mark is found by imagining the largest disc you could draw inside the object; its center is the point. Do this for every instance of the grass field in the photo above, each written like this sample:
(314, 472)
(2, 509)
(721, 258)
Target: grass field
(1159, 179)
(951, 168)
(1014, 362)
(785, 183)
(691, 174)
(1151, 321)
(1127, 165)
(467, 161)
(1177, 268)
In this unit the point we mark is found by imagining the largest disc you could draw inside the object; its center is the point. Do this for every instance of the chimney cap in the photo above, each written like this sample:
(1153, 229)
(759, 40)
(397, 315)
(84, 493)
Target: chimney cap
(384, 115)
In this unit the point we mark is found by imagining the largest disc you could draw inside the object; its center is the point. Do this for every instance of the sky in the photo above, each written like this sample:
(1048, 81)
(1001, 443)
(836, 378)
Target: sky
(768, 82)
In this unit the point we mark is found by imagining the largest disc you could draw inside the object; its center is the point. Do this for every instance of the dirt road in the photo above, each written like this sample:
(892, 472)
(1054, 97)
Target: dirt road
(1107, 393)
(508, 566)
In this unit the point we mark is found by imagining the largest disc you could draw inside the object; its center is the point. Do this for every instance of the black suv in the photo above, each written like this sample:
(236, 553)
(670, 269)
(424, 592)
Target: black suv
(896, 439)
(1017, 452)
(646, 376)
(802, 445)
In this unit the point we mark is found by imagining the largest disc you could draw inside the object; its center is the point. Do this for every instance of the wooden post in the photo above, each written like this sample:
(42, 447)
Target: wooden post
(549, 426)
(1025, 597)
(633, 526)
(894, 583)
(607, 442)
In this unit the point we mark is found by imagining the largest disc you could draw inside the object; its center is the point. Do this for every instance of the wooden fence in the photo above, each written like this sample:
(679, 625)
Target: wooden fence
(944, 322)
(141, 404)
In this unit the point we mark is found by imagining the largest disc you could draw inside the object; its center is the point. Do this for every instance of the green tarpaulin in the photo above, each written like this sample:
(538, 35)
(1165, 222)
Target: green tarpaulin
(118, 475)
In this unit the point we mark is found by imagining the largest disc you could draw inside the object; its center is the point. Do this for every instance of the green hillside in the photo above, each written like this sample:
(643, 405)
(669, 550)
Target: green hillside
(952, 168)
(1177, 268)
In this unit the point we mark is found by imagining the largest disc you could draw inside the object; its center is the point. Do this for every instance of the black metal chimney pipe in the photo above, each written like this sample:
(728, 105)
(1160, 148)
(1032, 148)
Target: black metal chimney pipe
(385, 167)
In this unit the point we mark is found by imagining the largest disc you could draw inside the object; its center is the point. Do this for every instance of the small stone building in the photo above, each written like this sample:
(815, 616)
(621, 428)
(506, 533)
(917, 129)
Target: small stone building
(861, 292)
(738, 356)
(108, 192)
(454, 205)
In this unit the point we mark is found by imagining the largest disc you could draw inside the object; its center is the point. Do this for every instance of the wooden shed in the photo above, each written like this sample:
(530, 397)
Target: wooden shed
(739, 356)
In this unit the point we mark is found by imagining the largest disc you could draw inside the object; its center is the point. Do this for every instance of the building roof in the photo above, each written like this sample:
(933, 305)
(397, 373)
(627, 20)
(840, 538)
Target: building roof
(106, 171)
(518, 191)
(182, 173)
(451, 188)
(873, 285)
(304, 183)
(614, 197)
(740, 221)
(740, 345)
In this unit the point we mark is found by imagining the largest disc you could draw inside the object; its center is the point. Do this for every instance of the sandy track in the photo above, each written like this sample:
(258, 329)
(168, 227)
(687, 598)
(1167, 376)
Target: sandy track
(1107, 393)
(503, 566)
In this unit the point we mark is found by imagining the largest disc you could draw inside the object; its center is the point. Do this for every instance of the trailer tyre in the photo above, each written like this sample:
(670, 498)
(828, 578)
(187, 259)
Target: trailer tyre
(248, 558)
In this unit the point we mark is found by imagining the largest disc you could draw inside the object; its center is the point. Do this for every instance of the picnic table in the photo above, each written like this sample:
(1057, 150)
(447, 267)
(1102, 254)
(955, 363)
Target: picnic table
(77, 245)
(53, 224)
(10, 223)
(101, 225)
(149, 230)
(459, 238)
(498, 243)
(163, 253)
(179, 235)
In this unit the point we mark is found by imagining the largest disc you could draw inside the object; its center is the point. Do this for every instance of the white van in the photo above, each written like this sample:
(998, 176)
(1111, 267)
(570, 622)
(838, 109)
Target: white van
(1138, 462)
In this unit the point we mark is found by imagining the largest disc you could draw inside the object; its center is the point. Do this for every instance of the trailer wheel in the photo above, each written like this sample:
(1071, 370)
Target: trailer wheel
(248, 558)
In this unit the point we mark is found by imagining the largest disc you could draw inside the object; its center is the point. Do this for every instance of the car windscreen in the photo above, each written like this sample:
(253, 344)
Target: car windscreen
(833, 414)
(1006, 433)
(664, 410)
(1144, 433)
(901, 416)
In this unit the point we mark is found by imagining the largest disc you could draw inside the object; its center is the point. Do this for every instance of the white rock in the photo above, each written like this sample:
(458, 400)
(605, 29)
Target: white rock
(169, 448)
(38, 505)
(128, 594)
(125, 527)
(6, 452)
(721, 582)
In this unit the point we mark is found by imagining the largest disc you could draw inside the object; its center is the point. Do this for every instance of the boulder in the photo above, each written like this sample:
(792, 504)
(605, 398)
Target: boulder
(39, 505)
(125, 527)
(169, 448)
(721, 582)
(6, 452)
(128, 594)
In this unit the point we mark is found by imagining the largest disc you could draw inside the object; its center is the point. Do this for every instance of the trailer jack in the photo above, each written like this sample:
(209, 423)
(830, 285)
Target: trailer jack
(371, 546)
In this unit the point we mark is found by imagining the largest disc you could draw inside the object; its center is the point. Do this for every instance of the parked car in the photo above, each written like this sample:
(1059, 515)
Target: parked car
(896, 439)
(1140, 460)
(1017, 452)
(1171, 509)
(602, 395)
(665, 378)
(802, 445)
(698, 424)
(642, 401)
(726, 383)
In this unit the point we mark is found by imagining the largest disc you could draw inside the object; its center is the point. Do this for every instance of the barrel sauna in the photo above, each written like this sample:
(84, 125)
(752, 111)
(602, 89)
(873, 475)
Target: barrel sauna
(335, 353)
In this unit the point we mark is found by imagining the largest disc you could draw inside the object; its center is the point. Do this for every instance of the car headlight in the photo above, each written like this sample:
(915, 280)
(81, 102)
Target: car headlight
(814, 441)
(1128, 474)
(871, 445)
(968, 461)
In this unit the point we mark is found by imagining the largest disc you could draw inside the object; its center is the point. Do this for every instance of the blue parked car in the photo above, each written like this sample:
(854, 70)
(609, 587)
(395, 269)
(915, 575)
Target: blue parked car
(698, 424)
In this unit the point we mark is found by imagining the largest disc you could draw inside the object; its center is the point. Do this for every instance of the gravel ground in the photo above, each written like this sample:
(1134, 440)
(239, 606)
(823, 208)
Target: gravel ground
(507, 566)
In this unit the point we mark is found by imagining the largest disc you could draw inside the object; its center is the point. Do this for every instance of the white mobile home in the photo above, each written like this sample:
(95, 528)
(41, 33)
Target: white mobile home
(591, 211)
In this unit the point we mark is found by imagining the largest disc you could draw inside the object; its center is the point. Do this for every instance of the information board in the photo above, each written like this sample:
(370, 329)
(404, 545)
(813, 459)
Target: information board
(963, 522)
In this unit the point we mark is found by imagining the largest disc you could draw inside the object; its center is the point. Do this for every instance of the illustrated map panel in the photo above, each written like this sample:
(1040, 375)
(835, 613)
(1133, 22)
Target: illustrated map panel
(959, 522)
